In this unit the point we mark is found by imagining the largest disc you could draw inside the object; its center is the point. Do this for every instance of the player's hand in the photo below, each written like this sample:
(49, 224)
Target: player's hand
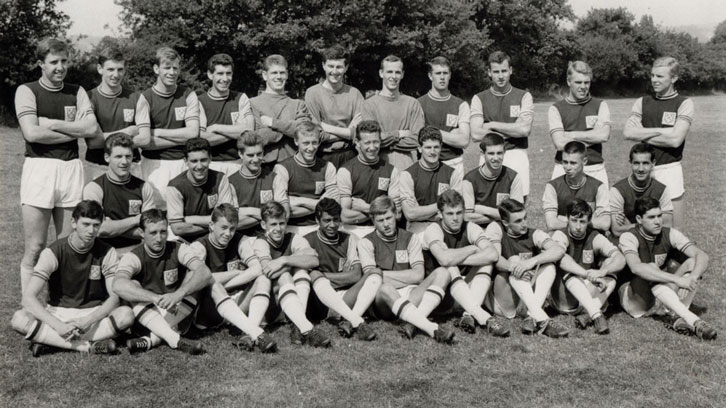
(620, 219)
(274, 265)
(518, 269)
(276, 275)
(68, 331)
(168, 301)
(266, 120)
(594, 274)
(687, 282)
(81, 323)
(358, 204)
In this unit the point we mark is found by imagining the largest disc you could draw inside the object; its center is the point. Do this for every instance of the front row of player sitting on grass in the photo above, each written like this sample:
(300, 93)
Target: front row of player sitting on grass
(390, 274)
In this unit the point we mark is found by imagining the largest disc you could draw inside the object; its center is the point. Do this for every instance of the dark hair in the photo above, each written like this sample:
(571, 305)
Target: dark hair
(367, 126)
(574, 147)
(196, 144)
(391, 58)
(440, 60)
(151, 216)
(498, 57)
(429, 133)
(642, 148)
(491, 139)
(219, 59)
(450, 198)
(249, 138)
(509, 206)
(226, 211)
(327, 205)
(335, 52)
(88, 209)
(381, 205)
(579, 208)
(272, 209)
(645, 204)
(110, 53)
(118, 139)
(48, 46)
(307, 127)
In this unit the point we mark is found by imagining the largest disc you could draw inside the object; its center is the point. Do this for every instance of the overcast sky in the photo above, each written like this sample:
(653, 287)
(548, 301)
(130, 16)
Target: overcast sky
(90, 16)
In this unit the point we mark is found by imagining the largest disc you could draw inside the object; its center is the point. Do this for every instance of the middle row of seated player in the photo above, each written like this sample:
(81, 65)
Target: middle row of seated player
(299, 182)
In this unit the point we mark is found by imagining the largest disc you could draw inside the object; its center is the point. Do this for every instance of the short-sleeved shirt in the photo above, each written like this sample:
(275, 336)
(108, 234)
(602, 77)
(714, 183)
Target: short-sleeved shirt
(121, 200)
(589, 250)
(390, 254)
(221, 258)
(654, 249)
(67, 102)
(558, 194)
(656, 112)
(336, 108)
(161, 272)
(421, 185)
(479, 189)
(437, 233)
(447, 114)
(253, 191)
(527, 245)
(368, 181)
(266, 249)
(508, 107)
(113, 112)
(76, 278)
(173, 110)
(570, 116)
(295, 178)
(334, 253)
(286, 113)
(394, 113)
(232, 109)
(625, 192)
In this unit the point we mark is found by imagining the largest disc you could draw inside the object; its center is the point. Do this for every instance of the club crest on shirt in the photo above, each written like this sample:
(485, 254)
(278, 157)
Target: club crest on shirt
(211, 200)
(171, 276)
(452, 120)
(443, 187)
(401, 256)
(71, 112)
(341, 264)
(233, 265)
(383, 183)
(588, 256)
(501, 197)
(265, 196)
(128, 115)
(95, 272)
(514, 111)
(660, 259)
(319, 187)
(180, 112)
(525, 255)
(235, 116)
(590, 121)
(134, 207)
(669, 118)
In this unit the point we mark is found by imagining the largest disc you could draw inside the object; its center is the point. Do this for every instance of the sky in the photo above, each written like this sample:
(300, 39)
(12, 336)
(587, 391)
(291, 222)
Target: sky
(90, 16)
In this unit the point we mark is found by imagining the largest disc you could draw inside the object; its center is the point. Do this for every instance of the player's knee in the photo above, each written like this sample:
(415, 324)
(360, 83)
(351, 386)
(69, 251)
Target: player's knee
(548, 270)
(387, 293)
(373, 279)
(315, 275)
(124, 317)
(262, 284)
(453, 272)
(21, 321)
(514, 258)
(441, 276)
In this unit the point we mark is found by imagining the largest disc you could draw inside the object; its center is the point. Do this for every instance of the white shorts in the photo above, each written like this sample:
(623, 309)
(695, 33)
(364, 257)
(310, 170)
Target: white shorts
(50, 183)
(418, 228)
(227, 167)
(160, 172)
(405, 291)
(671, 175)
(456, 163)
(66, 314)
(358, 230)
(596, 171)
(400, 160)
(302, 229)
(517, 160)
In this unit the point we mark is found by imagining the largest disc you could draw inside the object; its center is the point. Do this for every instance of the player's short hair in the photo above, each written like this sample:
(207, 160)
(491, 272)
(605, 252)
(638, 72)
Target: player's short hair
(272, 209)
(579, 67)
(491, 139)
(226, 211)
(645, 204)
(574, 147)
(642, 148)
(166, 54)
(219, 59)
(327, 205)
(450, 198)
(367, 126)
(307, 128)
(48, 46)
(118, 139)
(670, 62)
(381, 205)
(249, 138)
(274, 59)
(391, 58)
(508, 207)
(110, 53)
(197, 144)
(440, 60)
(429, 133)
(335, 52)
(88, 209)
(151, 216)
(579, 208)
(498, 57)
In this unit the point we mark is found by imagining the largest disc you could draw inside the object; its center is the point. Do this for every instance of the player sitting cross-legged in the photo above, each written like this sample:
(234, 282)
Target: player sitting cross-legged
(338, 282)
(406, 293)
(586, 273)
(462, 249)
(83, 312)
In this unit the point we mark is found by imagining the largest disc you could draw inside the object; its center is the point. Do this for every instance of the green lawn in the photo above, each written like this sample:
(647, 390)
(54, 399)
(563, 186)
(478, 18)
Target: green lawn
(639, 364)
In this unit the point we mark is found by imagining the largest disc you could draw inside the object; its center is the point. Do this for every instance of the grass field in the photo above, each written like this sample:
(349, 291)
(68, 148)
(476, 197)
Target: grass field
(640, 364)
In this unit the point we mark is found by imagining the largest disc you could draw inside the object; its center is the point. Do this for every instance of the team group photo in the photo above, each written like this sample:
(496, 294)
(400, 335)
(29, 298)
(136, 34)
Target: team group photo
(346, 245)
